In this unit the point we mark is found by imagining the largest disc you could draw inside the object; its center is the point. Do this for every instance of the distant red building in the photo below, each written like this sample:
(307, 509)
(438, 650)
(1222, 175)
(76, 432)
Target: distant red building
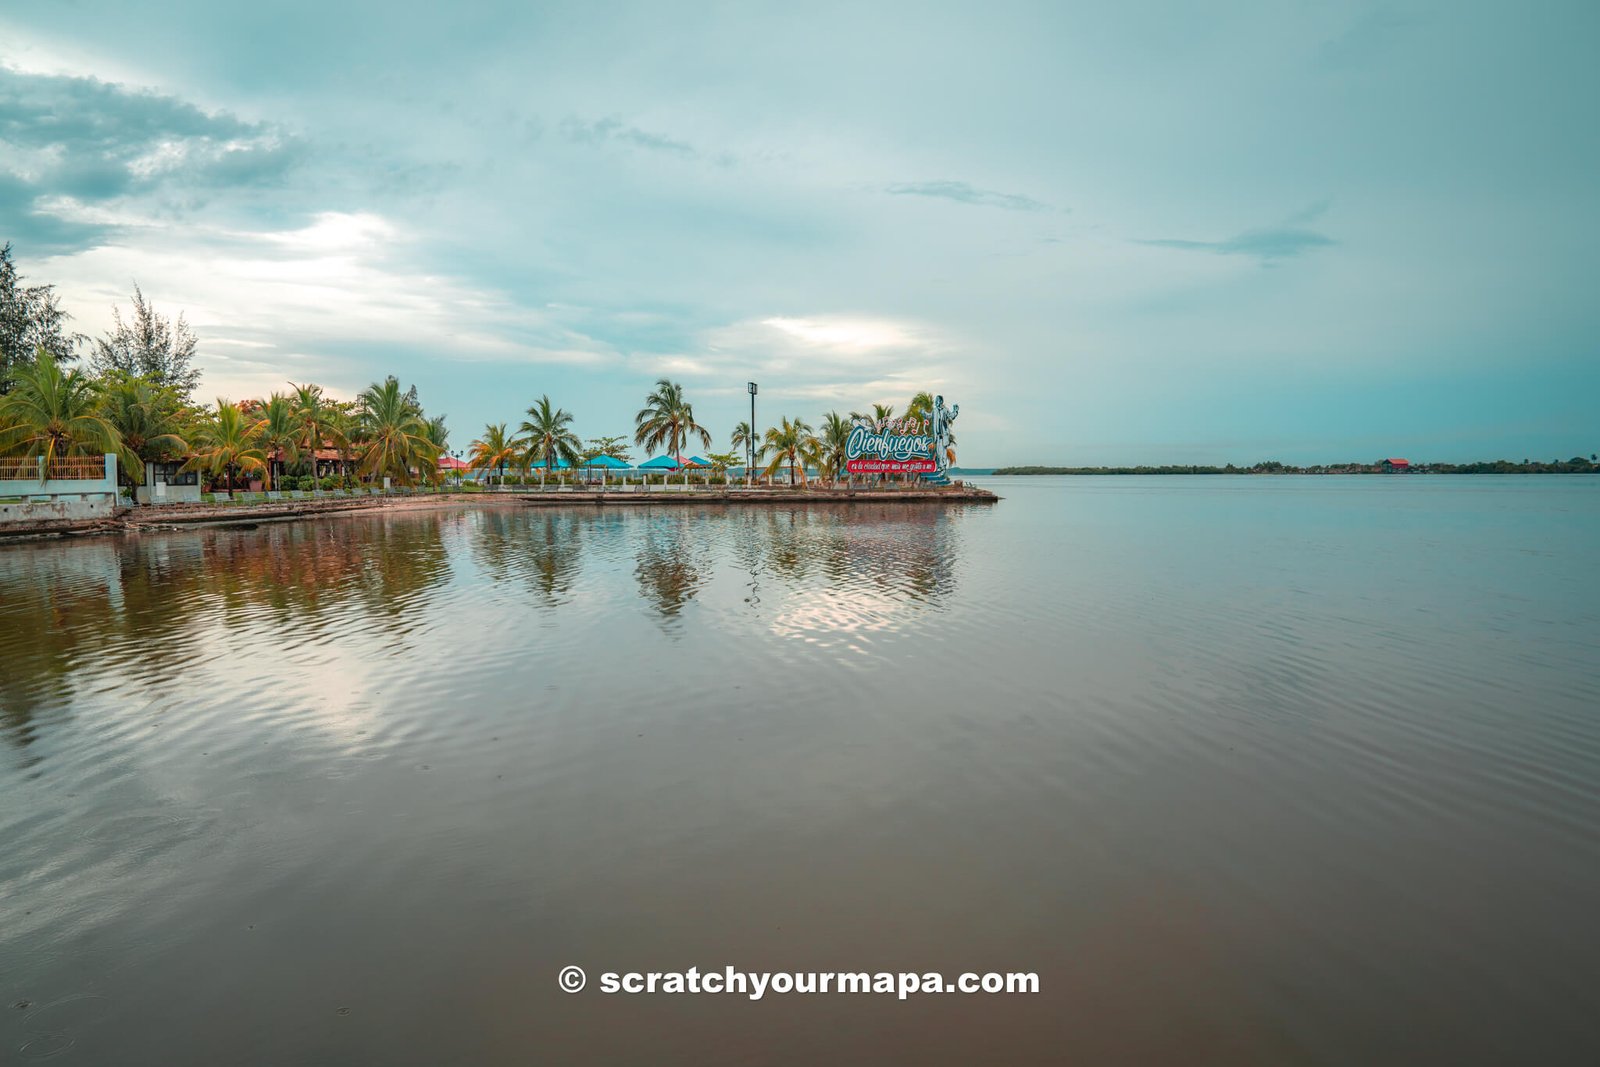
(1401, 465)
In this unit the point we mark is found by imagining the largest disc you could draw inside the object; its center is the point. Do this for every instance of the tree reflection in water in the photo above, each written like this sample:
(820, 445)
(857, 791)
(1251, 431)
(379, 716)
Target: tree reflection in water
(902, 551)
(133, 615)
(672, 561)
(142, 608)
(543, 548)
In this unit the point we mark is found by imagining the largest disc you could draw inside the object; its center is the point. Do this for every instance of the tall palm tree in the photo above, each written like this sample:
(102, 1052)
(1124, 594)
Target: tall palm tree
(147, 418)
(228, 442)
(495, 451)
(550, 437)
(831, 444)
(53, 414)
(792, 442)
(437, 434)
(667, 418)
(347, 432)
(746, 441)
(394, 433)
(317, 421)
(279, 431)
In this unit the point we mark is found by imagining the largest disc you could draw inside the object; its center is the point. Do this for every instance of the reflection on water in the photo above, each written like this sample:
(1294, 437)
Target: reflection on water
(1248, 774)
(147, 609)
(672, 562)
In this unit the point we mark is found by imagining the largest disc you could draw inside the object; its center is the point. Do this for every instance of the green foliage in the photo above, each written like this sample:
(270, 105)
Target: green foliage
(55, 413)
(614, 447)
(317, 424)
(549, 437)
(667, 419)
(150, 420)
(831, 445)
(395, 436)
(228, 444)
(150, 346)
(30, 319)
(793, 445)
(496, 450)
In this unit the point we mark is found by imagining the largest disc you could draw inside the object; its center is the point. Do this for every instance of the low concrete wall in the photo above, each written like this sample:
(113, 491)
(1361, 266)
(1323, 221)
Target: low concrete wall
(175, 494)
(59, 510)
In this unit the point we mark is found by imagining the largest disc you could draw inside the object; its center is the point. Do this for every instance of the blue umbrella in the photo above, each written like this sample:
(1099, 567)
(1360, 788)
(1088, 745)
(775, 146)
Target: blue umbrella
(561, 465)
(605, 463)
(660, 463)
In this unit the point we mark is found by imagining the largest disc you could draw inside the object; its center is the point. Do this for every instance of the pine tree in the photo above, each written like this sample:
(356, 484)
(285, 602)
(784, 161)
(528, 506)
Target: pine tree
(30, 319)
(152, 347)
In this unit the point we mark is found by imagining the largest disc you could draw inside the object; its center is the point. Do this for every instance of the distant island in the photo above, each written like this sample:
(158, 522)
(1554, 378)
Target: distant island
(1575, 465)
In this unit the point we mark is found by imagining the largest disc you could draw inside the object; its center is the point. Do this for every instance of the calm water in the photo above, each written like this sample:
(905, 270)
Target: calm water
(1249, 771)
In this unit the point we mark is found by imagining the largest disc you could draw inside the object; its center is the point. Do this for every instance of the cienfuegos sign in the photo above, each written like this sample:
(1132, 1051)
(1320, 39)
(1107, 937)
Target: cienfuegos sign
(902, 446)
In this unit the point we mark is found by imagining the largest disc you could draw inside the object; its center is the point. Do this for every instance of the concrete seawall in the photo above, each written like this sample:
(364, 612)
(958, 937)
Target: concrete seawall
(46, 520)
(781, 497)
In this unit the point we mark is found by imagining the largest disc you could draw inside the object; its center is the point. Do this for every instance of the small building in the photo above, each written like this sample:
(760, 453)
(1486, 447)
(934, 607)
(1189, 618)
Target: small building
(169, 483)
(1396, 466)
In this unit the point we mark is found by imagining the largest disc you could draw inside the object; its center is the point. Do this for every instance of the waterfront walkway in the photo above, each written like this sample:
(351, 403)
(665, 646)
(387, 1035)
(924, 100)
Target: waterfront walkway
(263, 507)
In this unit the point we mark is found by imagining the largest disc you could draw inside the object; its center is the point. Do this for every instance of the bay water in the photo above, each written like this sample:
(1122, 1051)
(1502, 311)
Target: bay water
(1255, 770)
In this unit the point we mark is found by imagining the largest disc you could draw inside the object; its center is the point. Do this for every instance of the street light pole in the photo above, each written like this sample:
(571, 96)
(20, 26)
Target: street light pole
(750, 443)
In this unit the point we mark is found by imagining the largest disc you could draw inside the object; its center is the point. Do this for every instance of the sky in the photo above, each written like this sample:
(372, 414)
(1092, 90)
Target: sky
(1113, 233)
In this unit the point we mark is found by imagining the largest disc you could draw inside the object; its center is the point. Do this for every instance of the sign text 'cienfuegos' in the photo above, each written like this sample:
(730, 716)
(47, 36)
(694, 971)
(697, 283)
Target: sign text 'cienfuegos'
(902, 446)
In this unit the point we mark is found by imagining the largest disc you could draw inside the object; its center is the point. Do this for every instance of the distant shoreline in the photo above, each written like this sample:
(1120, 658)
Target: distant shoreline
(1573, 466)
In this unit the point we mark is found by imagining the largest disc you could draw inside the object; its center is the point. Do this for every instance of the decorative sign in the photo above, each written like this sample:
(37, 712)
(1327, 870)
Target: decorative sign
(901, 446)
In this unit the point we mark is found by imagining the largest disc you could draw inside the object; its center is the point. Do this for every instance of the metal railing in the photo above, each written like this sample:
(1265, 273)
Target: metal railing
(73, 468)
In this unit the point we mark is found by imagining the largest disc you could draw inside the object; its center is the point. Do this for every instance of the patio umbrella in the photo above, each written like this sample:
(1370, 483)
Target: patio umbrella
(561, 465)
(606, 463)
(659, 463)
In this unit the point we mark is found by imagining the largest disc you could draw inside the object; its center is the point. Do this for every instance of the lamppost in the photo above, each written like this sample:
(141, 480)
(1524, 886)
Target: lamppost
(750, 445)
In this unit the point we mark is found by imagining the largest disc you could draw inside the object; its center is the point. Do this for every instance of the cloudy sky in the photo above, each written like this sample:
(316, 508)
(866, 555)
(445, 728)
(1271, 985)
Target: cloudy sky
(1113, 233)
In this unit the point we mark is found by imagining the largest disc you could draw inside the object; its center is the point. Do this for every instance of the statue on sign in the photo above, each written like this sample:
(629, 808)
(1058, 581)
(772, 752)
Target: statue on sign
(939, 429)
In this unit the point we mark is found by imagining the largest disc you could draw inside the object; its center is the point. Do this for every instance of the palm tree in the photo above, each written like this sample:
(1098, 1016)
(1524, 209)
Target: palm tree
(279, 431)
(228, 442)
(318, 423)
(747, 443)
(52, 414)
(794, 442)
(881, 413)
(831, 444)
(921, 406)
(667, 418)
(146, 417)
(437, 435)
(347, 437)
(550, 437)
(394, 433)
(494, 450)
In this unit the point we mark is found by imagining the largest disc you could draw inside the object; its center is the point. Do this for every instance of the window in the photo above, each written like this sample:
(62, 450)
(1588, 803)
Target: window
(169, 473)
